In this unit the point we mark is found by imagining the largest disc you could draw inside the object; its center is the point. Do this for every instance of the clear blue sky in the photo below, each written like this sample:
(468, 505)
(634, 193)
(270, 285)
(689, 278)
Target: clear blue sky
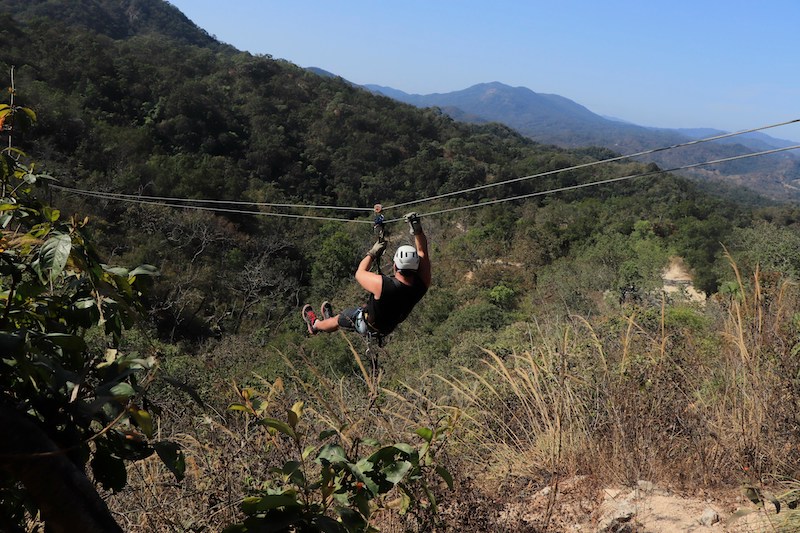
(725, 64)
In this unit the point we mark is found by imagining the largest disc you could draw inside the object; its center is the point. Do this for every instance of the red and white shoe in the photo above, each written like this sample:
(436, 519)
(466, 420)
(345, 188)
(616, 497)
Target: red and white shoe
(310, 318)
(326, 310)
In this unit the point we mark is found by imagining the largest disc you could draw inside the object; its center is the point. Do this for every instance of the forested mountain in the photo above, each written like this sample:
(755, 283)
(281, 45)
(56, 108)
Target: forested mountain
(113, 19)
(151, 282)
(553, 119)
(529, 112)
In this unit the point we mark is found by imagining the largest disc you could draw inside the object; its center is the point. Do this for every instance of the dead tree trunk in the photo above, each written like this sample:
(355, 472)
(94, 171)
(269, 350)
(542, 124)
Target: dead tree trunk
(67, 499)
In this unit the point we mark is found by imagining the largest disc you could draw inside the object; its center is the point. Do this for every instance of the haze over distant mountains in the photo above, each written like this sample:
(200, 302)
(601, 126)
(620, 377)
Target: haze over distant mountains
(553, 119)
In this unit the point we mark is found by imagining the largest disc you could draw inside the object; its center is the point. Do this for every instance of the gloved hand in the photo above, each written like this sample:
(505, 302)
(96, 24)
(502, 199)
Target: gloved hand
(377, 249)
(414, 223)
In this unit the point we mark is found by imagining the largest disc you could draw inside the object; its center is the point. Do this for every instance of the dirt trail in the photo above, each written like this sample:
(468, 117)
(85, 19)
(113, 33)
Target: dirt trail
(677, 280)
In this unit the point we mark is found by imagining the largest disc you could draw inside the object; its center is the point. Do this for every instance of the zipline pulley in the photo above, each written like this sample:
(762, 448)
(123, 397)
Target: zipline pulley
(378, 224)
(379, 229)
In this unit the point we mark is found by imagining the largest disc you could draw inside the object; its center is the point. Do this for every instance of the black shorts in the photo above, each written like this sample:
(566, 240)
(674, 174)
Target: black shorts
(353, 319)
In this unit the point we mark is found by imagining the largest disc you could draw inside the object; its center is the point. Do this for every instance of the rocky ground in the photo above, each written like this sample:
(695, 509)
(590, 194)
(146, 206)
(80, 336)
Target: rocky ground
(580, 504)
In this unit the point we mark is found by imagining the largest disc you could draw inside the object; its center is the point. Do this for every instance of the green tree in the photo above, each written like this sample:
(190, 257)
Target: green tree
(335, 259)
(327, 486)
(770, 247)
(69, 395)
(699, 241)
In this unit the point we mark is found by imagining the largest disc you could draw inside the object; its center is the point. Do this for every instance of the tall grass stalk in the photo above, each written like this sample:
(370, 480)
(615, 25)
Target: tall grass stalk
(528, 411)
(652, 393)
(764, 393)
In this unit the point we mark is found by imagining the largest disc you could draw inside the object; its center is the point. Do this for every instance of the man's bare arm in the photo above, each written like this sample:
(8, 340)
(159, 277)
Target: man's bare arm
(424, 270)
(370, 281)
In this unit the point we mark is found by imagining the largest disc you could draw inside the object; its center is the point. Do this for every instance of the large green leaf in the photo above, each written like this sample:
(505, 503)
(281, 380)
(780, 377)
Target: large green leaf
(71, 343)
(396, 471)
(117, 271)
(331, 432)
(143, 420)
(352, 520)
(85, 303)
(122, 391)
(54, 255)
(51, 213)
(290, 467)
(143, 270)
(425, 433)
(332, 453)
(362, 471)
(405, 448)
(388, 453)
(6, 217)
(268, 502)
(283, 427)
(30, 112)
(446, 476)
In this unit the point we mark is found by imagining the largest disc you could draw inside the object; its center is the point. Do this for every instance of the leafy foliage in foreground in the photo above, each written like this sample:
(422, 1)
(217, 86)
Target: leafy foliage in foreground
(324, 478)
(63, 368)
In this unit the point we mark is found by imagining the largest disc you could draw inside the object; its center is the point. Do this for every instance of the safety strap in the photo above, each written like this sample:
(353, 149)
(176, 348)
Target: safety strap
(372, 333)
(379, 228)
(377, 337)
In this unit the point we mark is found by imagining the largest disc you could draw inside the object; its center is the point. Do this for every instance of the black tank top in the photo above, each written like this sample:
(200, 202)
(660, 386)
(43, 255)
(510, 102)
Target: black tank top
(396, 302)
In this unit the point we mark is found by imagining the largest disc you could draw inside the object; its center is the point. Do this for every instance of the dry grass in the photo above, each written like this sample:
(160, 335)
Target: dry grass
(653, 393)
(229, 454)
(526, 412)
(637, 398)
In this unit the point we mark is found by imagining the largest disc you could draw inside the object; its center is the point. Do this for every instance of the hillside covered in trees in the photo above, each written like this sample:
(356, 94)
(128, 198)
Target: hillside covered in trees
(150, 114)
(141, 118)
(553, 119)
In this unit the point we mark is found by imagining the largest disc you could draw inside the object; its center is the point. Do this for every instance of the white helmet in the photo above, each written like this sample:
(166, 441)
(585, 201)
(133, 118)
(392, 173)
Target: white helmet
(406, 258)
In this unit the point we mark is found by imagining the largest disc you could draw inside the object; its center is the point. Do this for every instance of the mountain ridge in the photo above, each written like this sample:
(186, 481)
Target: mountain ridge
(558, 121)
(554, 119)
(554, 102)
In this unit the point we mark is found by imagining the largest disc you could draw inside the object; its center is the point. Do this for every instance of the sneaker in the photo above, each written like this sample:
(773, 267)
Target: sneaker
(309, 317)
(326, 310)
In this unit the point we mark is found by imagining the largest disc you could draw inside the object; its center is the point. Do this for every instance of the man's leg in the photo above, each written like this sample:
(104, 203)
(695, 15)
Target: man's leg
(315, 325)
(329, 325)
(329, 322)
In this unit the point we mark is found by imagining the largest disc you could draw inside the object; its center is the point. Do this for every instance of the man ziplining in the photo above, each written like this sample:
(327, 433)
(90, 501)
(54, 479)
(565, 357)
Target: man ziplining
(391, 298)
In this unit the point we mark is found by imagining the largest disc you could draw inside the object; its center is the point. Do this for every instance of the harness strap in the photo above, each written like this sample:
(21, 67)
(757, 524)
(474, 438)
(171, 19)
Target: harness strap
(372, 333)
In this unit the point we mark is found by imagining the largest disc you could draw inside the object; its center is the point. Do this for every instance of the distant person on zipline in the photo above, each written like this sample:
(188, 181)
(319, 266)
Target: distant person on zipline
(391, 297)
